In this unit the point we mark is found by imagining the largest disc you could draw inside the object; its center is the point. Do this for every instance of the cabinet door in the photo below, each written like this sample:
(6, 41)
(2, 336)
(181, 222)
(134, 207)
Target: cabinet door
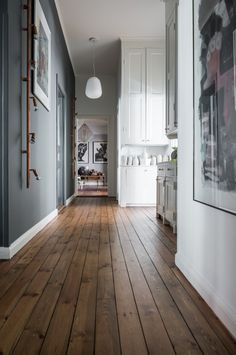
(170, 199)
(134, 96)
(160, 195)
(134, 188)
(141, 186)
(149, 185)
(171, 58)
(155, 109)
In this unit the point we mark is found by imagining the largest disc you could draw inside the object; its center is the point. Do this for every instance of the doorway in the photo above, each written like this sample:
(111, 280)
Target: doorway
(92, 156)
(60, 148)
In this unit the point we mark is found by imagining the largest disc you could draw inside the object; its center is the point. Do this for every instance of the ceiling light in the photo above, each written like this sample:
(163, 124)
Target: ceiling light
(93, 87)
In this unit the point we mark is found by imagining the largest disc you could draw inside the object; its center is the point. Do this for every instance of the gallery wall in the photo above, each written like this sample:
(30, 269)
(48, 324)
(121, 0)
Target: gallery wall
(99, 134)
(106, 106)
(29, 206)
(206, 236)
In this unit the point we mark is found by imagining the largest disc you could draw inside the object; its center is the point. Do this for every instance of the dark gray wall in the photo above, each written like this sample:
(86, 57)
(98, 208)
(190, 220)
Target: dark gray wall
(28, 206)
(3, 126)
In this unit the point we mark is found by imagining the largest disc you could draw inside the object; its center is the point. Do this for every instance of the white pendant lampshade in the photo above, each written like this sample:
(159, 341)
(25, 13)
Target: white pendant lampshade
(93, 88)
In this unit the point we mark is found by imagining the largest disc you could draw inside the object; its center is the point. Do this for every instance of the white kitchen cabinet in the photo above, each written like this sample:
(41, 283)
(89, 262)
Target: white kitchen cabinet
(134, 95)
(170, 201)
(155, 108)
(138, 186)
(167, 193)
(160, 205)
(143, 96)
(171, 72)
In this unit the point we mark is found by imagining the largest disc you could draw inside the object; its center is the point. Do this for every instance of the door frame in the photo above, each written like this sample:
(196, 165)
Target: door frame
(4, 124)
(109, 119)
(59, 88)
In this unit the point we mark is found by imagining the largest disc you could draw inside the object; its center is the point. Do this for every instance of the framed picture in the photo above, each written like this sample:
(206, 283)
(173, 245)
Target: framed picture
(83, 153)
(42, 57)
(100, 152)
(214, 37)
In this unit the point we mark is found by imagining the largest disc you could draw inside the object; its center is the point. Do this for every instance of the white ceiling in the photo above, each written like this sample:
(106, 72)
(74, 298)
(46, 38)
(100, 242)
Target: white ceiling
(107, 20)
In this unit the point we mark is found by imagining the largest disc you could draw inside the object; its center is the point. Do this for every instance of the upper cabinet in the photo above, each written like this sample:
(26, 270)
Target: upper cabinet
(171, 69)
(143, 95)
(134, 98)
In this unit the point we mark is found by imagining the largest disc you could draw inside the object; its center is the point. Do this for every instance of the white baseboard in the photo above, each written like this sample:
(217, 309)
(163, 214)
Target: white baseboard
(219, 306)
(9, 252)
(70, 199)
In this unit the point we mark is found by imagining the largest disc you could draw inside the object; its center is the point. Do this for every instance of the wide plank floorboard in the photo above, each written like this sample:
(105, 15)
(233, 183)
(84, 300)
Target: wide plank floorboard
(101, 280)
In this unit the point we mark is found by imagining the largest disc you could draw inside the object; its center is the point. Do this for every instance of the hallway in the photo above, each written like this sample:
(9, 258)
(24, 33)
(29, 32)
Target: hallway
(101, 280)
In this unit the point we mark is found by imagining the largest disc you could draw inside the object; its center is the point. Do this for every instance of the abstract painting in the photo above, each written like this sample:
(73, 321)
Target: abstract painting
(42, 57)
(100, 152)
(215, 103)
(83, 153)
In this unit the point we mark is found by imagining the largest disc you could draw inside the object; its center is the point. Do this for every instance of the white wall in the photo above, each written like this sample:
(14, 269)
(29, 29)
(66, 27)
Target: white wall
(106, 106)
(206, 236)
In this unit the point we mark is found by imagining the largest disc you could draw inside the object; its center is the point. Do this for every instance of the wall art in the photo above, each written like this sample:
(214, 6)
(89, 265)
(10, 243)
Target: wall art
(83, 153)
(42, 57)
(100, 152)
(214, 39)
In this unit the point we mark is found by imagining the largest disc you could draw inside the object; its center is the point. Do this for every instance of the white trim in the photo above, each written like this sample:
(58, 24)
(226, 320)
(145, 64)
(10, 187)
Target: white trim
(70, 199)
(4, 253)
(221, 308)
(141, 38)
(9, 252)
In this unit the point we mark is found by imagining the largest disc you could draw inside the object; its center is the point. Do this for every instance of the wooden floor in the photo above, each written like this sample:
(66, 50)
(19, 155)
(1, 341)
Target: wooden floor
(101, 280)
(101, 191)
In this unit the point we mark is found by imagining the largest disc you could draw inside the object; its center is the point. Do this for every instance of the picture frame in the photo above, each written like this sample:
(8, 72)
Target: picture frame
(83, 152)
(100, 152)
(214, 82)
(42, 57)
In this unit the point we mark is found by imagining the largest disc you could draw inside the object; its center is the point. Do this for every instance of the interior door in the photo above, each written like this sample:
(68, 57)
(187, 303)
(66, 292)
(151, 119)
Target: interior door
(60, 149)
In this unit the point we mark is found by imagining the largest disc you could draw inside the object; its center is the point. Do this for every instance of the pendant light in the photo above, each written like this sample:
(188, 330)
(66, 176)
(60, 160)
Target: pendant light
(93, 87)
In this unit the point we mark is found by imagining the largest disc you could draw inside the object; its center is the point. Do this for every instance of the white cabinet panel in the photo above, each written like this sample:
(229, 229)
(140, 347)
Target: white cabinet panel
(167, 193)
(134, 120)
(160, 196)
(155, 122)
(138, 186)
(171, 82)
(170, 200)
(143, 120)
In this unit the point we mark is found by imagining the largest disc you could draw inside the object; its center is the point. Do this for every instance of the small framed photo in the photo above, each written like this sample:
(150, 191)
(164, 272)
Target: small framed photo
(83, 153)
(100, 152)
(42, 57)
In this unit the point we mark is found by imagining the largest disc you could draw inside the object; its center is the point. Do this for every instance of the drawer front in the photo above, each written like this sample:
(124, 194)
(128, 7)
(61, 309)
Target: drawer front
(170, 170)
(161, 170)
(166, 169)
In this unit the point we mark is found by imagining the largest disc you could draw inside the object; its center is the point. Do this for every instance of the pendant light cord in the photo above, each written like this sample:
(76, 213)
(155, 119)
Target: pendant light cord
(94, 58)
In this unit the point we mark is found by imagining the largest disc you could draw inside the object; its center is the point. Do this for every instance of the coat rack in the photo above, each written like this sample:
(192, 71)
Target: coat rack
(30, 136)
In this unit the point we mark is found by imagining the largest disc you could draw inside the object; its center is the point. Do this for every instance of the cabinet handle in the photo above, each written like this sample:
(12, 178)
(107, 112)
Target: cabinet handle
(160, 169)
(169, 169)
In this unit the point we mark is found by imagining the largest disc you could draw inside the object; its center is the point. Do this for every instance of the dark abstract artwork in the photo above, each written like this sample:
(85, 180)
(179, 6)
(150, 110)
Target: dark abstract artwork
(215, 103)
(100, 152)
(83, 153)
